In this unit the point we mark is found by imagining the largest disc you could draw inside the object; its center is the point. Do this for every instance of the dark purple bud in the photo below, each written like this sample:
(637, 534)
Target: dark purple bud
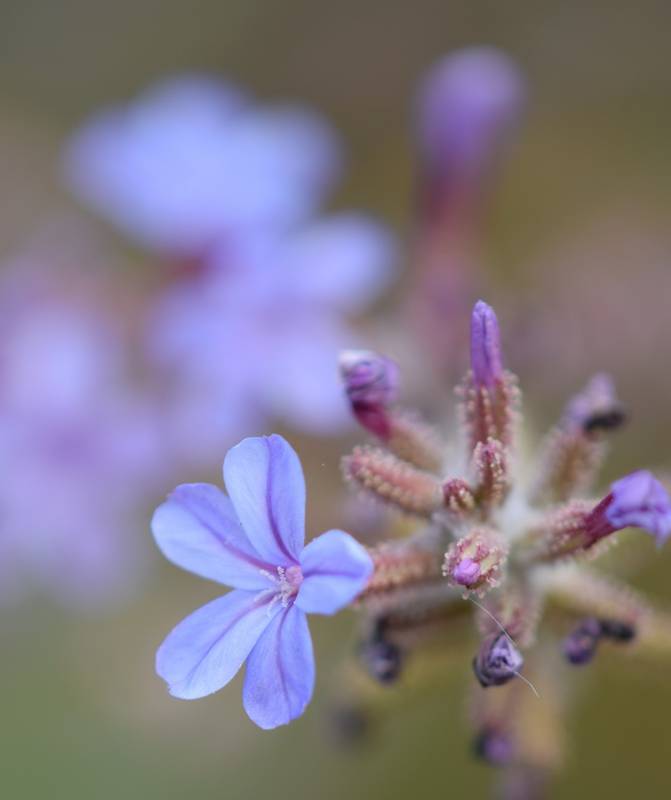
(580, 645)
(369, 378)
(638, 500)
(497, 661)
(596, 409)
(494, 747)
(383, 660)
(371, 384)
(617, 630)
(350, 725)
(486, 361)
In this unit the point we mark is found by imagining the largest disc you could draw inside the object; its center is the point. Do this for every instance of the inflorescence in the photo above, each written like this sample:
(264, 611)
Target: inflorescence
(492, 527)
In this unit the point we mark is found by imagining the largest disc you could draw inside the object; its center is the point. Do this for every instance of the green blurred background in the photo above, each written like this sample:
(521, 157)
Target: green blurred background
(83, 715)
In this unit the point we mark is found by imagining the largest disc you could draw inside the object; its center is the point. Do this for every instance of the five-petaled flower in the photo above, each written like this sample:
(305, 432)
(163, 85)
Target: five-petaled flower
(253, 540)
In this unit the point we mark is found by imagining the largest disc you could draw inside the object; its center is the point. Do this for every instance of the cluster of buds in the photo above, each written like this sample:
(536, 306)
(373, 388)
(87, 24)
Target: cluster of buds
(490, 532)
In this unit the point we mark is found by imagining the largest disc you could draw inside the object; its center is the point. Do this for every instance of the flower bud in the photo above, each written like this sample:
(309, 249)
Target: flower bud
(459, 498)
(638, 500)
(486, 363)
(468, 106)
(580, 645)
(371, 384)
(490, 396)
(617, 630)
(475, 561)
(497, 661)
(383, 660)
(490, 462)
(596, 409)
(494, 747)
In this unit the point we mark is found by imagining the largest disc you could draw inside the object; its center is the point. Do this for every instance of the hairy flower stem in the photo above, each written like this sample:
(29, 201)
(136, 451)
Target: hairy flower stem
(398, 565)
(393, 481)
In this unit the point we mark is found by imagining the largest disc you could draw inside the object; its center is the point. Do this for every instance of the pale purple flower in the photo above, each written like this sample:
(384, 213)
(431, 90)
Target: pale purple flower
(486, 361)
(193, 160)
(79, 447)
(197, 172)
(253, 541)
(256, 335)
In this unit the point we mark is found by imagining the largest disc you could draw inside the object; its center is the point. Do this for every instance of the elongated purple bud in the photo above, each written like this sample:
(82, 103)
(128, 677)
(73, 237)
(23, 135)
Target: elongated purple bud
(486, 363)
(469, 104)
(497, 661)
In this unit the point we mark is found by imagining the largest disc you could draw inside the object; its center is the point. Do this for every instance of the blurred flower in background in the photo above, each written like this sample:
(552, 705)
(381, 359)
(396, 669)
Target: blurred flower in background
(467, 110)
(79, 442)
(199, 174)
(193, 161)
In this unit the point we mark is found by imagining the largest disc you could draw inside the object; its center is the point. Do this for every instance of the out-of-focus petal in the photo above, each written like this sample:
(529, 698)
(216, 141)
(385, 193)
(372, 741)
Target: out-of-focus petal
(343, 261)
(197, 529)
(280, 673)
(205, 651)
(190, 161)
(302, 384)
(335, 570)
(264, 479)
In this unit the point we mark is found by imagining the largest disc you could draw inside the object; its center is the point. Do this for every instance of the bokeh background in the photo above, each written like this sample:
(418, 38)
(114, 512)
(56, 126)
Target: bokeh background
(577, 235)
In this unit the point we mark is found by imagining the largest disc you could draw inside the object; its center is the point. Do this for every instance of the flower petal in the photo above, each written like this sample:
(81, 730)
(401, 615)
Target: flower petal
(342, 261)
(335, 570)
(639, 500)
(204, 652)
(265, 481)
(197, 529)
(280, 674)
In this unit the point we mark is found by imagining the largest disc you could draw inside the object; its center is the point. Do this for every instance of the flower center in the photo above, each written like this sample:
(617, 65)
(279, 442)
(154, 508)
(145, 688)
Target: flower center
(288, 581)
